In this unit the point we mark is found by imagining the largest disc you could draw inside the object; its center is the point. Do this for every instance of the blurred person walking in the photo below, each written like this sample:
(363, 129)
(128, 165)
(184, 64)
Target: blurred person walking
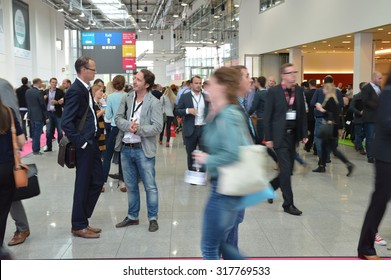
(382, 192)
(8, 117)
(224, 133)
(168, 103)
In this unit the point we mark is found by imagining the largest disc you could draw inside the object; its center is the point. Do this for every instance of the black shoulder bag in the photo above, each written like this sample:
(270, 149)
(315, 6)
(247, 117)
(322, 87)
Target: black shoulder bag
(67, 150)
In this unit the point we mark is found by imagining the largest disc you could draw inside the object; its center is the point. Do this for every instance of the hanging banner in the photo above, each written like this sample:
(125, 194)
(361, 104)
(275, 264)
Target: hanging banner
(21, 24)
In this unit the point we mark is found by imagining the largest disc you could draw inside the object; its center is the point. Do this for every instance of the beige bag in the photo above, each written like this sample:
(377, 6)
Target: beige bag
(245, 176)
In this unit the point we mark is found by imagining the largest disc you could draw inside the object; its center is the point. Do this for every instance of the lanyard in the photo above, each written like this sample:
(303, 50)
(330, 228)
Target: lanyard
(134, 104)
(199, 99)
(290, 99)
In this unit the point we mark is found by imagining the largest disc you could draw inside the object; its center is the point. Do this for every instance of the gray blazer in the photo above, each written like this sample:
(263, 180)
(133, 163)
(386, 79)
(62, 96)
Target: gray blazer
(151, 122)
(35, 104)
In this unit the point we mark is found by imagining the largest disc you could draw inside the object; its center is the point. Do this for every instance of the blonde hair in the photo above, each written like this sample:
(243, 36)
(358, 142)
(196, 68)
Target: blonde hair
(331, 92)
(95, 88)
(109, 88)
(170, 94)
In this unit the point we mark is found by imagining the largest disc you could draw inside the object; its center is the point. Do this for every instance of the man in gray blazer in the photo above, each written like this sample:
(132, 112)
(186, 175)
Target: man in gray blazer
(139, 120)
(36, 113)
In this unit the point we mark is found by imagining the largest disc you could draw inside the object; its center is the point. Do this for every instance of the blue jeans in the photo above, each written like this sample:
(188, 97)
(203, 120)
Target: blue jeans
(108, 155)
(54, 123)
(318, 141)
(135, 164)
(220, 217)
(36, 137)
(369, 131)
(359, 135)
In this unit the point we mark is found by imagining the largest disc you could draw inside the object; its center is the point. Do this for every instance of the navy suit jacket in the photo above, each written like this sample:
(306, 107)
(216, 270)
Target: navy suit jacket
(76, 103)
(382, 147)
(186, 101)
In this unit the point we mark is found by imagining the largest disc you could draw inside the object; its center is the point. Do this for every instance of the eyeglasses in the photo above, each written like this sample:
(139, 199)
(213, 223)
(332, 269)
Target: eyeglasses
(288, 73)
(94, 70)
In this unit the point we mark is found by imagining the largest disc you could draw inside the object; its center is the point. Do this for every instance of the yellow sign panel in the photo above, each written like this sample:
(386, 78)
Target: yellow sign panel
(128, 50)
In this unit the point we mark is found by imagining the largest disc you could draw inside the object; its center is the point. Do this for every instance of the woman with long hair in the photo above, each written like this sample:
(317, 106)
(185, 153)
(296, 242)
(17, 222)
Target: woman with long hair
(331, 115)
(7, 181)
(97, 93)
(225, 131)
(168, 102)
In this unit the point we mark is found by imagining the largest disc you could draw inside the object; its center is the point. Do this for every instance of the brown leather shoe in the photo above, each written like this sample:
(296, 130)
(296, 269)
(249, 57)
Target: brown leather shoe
(85, 233)
(19, 237)
(369, 258)
(95, 230)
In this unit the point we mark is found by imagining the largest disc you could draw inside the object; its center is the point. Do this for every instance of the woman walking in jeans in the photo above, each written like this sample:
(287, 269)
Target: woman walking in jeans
(223, 136)
(168, 102)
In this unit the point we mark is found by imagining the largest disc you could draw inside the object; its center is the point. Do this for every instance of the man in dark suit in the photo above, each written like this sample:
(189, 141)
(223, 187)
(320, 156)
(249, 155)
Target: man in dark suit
(21, 94)
(89, 171)
(193, 107)
(370, 99)
(36, 113)
(382, 192)
(54, 102)
(285, 123)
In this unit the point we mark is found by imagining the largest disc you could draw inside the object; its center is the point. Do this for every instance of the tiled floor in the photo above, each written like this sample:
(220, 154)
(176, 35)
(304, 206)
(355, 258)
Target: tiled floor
(333, 208)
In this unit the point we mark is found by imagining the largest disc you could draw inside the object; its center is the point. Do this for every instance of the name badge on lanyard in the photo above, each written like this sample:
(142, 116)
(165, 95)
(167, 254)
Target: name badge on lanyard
(291, 115)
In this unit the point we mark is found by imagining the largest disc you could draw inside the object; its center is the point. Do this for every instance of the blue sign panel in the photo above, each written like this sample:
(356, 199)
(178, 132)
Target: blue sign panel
(88, 38)
(108, 38)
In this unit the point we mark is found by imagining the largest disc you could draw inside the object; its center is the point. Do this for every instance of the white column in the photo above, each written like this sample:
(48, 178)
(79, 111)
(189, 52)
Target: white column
(363, 59)
(296, 58)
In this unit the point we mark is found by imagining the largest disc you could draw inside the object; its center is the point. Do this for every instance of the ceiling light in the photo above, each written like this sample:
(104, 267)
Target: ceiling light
(87, 28)
(140, 31)
(76, 20)
(236, 5)
(324, 42)
(143, 20)
(349, 36)
(386, 51)
(93, 23)
(385, 42)
(211, 31)
(150, 34)
(380, 29)
(304, 46)
(194, 34)
(175, 15)
(82, 15)
(216, 16)
(184, 4)
(61, 9)
(345, 42)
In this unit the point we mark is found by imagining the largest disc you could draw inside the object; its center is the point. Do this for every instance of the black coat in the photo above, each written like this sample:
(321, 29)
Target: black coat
(276, 107)
(370, 101)
(382, 147)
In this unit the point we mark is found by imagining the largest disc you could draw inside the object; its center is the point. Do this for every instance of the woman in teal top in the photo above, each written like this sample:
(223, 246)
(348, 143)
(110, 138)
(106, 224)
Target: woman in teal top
(223, 135)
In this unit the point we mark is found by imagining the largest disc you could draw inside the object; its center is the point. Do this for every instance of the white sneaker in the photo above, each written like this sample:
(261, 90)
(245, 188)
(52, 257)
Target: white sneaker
(380, 241)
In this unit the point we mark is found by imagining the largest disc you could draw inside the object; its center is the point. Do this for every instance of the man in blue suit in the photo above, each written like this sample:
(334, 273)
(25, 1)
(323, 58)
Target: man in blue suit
(193, 107)
(89, 171)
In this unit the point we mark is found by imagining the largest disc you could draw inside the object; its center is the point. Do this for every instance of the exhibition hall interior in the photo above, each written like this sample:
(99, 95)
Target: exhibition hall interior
(177, 40)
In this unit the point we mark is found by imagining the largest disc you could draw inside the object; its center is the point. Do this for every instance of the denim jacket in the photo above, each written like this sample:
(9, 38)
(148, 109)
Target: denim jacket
(222, 137)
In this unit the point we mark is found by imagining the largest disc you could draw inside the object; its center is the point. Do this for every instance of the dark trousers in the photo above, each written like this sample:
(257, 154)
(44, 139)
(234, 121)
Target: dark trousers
(54, 123)
(332, 145)
(286, 155)
(88, 184)
(7, 188)
(36, 128)
(191, 143)
(369, 130)
(22, 114)
(377, 207)
(260, 133)
(167, 125)
(108, 155)
(311, 129)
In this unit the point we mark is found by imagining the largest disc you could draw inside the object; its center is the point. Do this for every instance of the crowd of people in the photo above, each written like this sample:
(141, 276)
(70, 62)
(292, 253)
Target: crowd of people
(121, 123)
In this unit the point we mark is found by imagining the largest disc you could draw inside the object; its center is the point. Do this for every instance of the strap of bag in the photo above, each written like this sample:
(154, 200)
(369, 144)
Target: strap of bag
(14, 142)
(83, 120)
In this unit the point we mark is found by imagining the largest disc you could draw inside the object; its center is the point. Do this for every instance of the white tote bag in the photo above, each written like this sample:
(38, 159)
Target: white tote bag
(245, 176)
